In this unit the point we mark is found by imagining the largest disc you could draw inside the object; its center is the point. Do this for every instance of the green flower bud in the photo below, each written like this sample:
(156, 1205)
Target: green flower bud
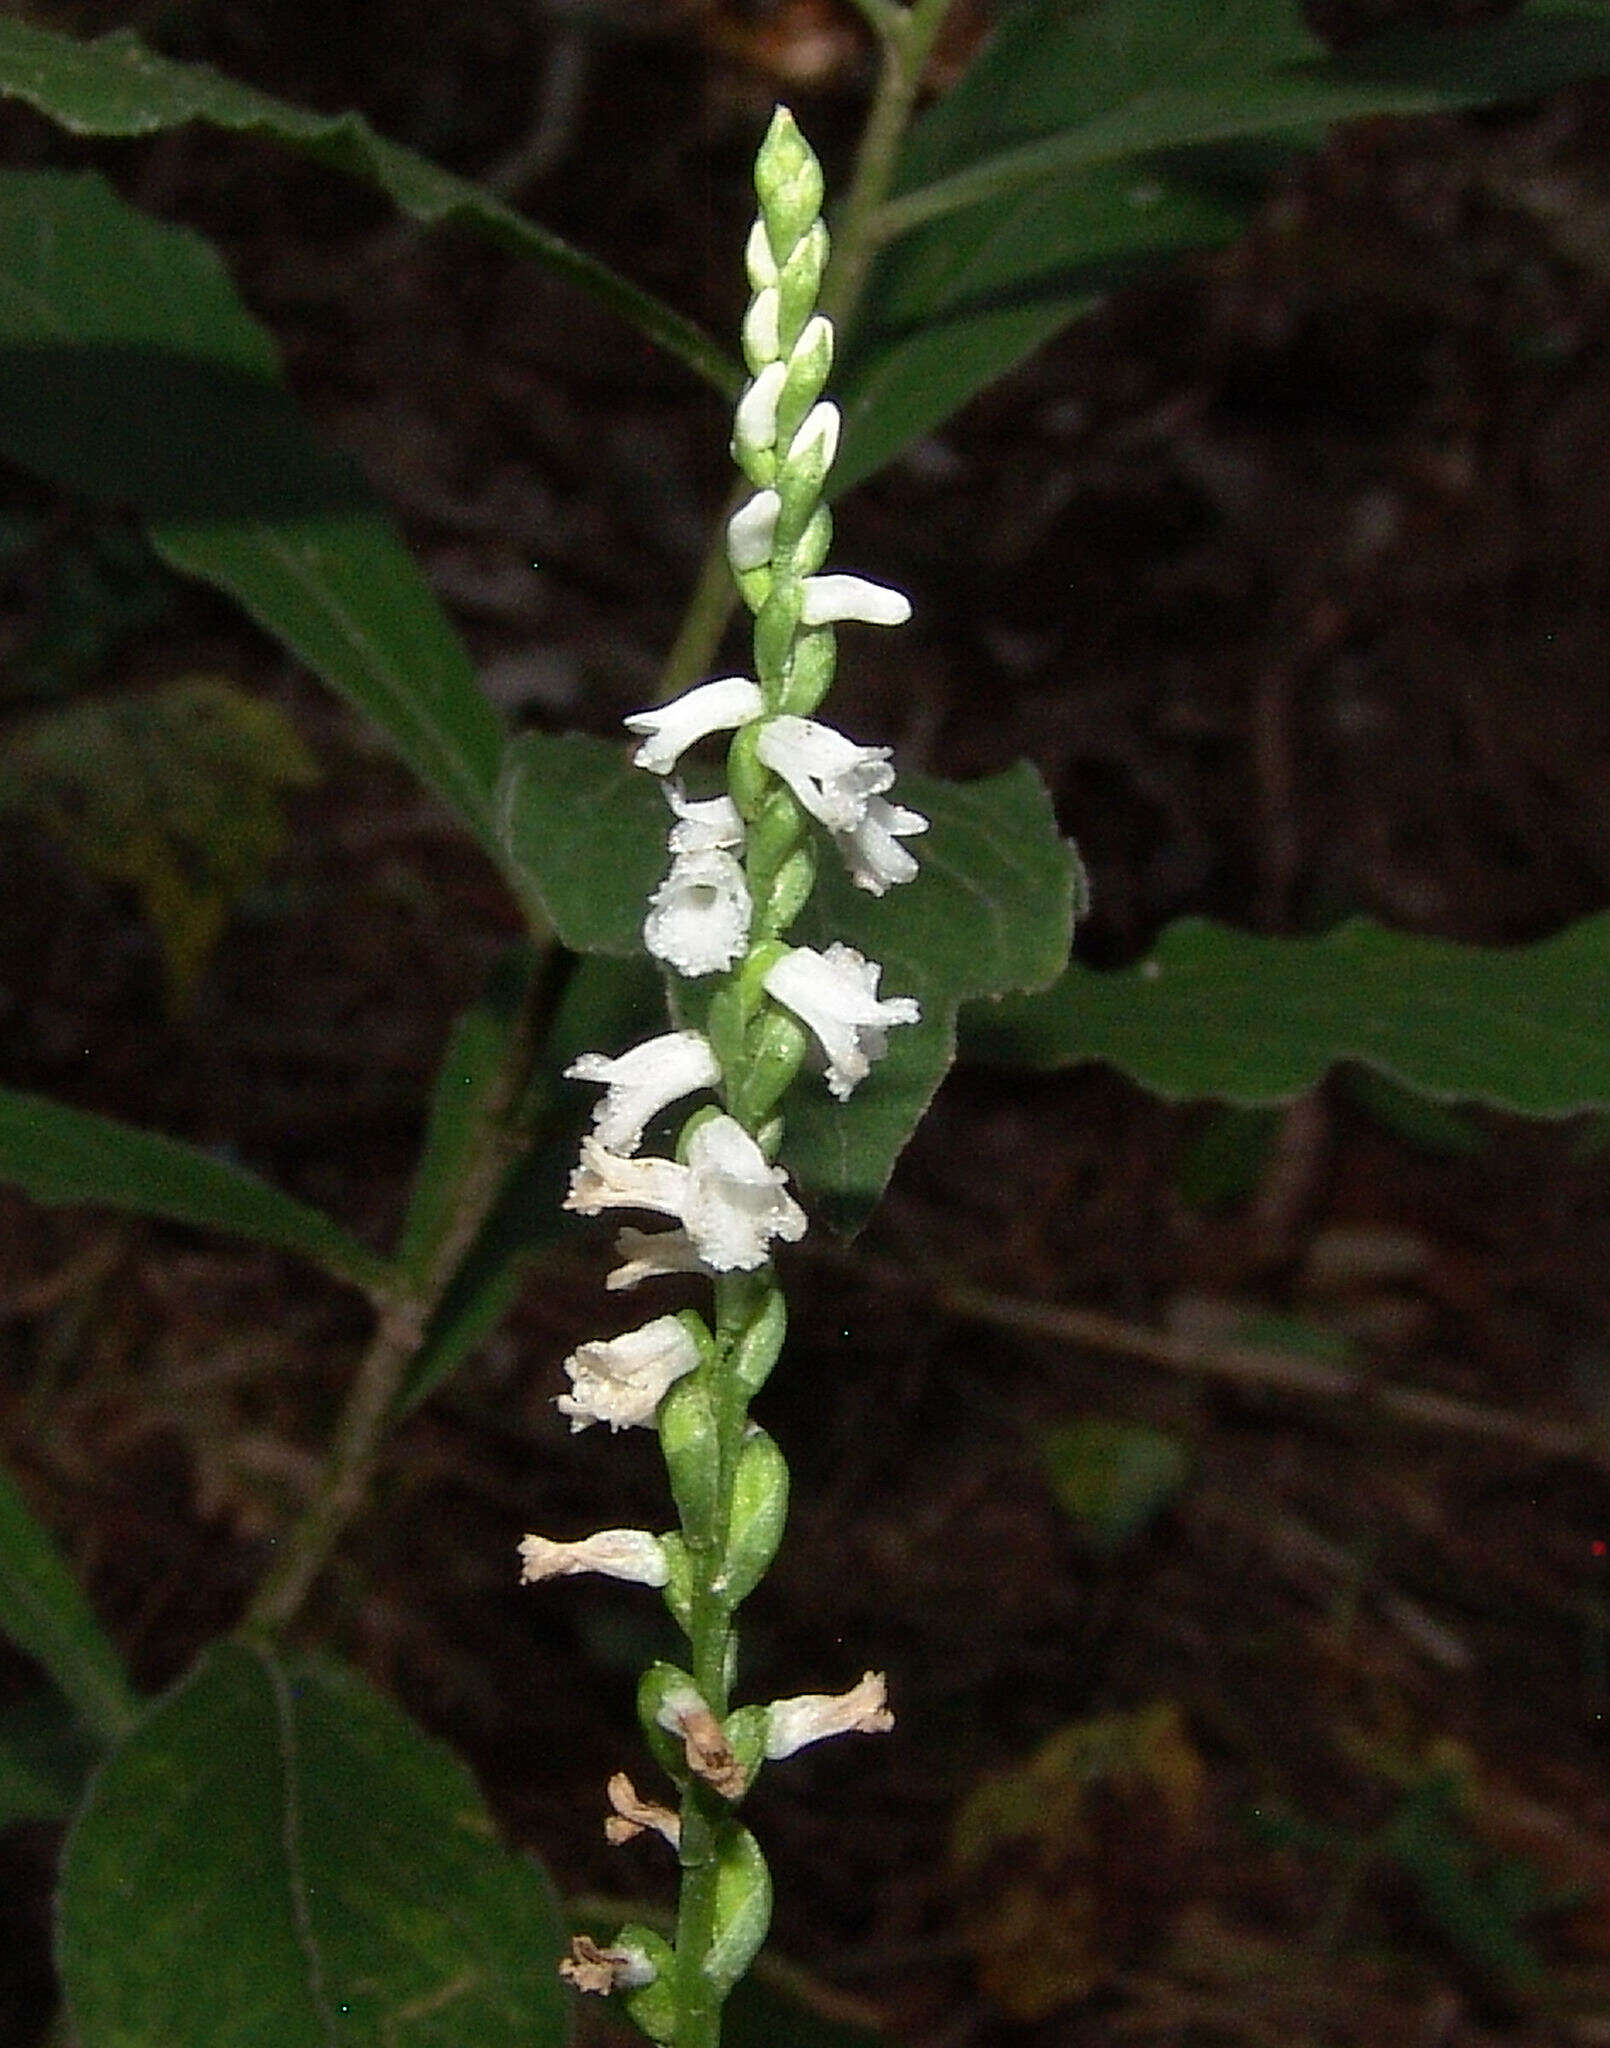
(788, 184)
(652, 2006)
(776, 623)
(799, 284)
(810, 674)
(759, 1510)
(746, 1732)
(748, 777)
(743, 1907)
(789, 893)
(749, 986)
(662, 1685)
(760, 1346)
(687, 1425)
(678, 1588)
(776, 1052)
(809, 362)
(810, 550)
(754, 585)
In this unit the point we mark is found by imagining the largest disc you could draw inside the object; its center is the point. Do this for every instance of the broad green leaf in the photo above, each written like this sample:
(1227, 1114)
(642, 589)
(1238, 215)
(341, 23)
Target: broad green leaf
(583, 835)
(992, 909)
(1429, 1126)
(114, 86)
(173, 792)
(67, 1156)
(45, 1614)
(132, 373)
(1253, 1020)
(278, 1858)
(1088, 144)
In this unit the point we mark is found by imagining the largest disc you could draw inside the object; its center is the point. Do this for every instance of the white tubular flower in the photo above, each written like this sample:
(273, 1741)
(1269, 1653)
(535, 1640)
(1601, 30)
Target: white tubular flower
(835, 995)
(711, 826)
(698, 919)
(754, 422)
(831, 598)
(729, 1201)
(871, 849)
(651, 1255)
(762, 341)
(833, 777)
(631, 1554)
(750, 531)
(814, 1716)
(622, 1380)
(822, 423)
(736, 1203)
(604, 1180)
(644, 1081)
(670, 729)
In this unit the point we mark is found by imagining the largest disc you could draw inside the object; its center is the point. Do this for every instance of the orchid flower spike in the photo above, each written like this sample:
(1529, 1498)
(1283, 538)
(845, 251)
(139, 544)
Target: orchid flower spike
(835, 995)
(670, 729)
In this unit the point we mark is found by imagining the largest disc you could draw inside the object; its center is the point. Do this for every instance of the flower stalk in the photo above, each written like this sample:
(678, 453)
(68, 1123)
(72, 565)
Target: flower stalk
(752, 1010)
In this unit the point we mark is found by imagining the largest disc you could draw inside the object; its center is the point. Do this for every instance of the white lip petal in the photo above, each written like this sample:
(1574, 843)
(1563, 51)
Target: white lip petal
(698, 920)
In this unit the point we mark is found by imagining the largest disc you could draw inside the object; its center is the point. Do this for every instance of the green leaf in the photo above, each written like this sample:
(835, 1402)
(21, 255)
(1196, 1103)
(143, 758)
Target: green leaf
(66, 1156)
(1253, 1020)
(173, 792)
(114, 86)
(131, 372)
(44, 1613)
(1113, 1478)
(991, 909)
(1086, 146)
(583, 835)
(278, 1858)
(1429, 1126)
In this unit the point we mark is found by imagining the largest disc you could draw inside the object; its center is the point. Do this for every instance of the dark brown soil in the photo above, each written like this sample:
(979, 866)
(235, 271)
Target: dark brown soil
(1290, 574)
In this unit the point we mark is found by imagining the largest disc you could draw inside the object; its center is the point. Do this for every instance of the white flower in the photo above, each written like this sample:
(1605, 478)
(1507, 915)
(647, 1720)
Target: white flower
(821, 424)
(832, 777)
(762, 340)
(644, 1081)
(835, 994)
(712, 826)
(736, 1202)
(631, 1554)
(698, 919)
(830, 598)
(871, 850)
(750, 531)
(650, 1255)
(672, 728)
(754, 421)
(758, 259)
(727, 1198)
(814, 1716)
(622, 1380)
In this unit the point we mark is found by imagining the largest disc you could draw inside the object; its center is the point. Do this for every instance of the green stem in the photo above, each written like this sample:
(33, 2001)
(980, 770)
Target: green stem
(405, 1316)
(905, 36)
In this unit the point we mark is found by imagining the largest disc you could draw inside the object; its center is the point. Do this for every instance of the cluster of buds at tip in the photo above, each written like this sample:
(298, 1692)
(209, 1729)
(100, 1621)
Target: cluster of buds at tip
(752, 1010)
